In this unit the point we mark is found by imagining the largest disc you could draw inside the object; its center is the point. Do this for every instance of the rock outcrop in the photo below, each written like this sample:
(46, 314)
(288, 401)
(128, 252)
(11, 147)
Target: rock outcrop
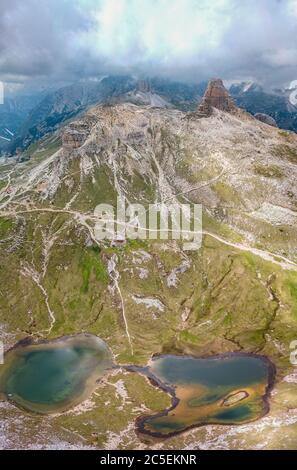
(143, 86)
(72, 139)
(76, 133)
(266, 119)
(216, 96)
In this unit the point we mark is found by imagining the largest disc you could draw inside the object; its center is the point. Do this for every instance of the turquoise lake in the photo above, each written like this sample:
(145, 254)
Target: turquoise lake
(54, 376)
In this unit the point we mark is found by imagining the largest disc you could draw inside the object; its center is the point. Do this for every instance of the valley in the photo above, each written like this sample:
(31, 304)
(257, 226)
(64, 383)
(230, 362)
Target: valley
(143, 298)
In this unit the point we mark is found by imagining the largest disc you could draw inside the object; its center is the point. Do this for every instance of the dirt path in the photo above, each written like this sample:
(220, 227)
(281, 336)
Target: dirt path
(274, 258)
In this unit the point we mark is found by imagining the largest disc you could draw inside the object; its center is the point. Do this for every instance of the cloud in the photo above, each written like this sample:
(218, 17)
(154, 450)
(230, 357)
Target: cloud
(190, 39)
(38, 37)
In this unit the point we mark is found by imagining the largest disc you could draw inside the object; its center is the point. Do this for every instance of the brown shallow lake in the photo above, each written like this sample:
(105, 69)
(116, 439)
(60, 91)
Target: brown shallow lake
(226, 389)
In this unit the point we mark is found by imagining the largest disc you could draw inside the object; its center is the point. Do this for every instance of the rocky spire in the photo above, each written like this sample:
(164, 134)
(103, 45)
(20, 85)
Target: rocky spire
(143, 85)
(216, 96)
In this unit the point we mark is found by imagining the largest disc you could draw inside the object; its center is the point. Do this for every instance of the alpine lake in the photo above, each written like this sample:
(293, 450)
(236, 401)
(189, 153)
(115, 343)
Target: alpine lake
(55, 376)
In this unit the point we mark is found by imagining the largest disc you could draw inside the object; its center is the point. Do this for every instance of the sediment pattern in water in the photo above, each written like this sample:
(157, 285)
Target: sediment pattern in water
(226, 389)
(54, 376)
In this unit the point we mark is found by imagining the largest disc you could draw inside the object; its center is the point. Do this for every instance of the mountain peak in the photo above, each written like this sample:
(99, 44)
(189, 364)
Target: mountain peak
(216, 96)
(143, 85)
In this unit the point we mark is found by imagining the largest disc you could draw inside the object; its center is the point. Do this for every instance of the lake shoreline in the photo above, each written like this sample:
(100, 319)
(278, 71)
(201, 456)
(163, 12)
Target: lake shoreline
(94, 360)
(141, 420)
(155, 381)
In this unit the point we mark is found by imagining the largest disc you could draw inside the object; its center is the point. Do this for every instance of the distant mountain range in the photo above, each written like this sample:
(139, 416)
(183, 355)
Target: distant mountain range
(25, 119)
(276, 104)
(13, 113)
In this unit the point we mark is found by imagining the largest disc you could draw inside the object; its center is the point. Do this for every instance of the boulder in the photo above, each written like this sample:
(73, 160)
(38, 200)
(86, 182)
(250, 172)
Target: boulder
(266, 119)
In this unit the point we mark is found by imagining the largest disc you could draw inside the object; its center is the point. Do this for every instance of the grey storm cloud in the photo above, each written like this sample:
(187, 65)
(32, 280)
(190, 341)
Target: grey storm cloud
(189, 39)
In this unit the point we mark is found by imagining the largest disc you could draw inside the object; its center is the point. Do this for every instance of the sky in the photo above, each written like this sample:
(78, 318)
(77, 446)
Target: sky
(193, 40)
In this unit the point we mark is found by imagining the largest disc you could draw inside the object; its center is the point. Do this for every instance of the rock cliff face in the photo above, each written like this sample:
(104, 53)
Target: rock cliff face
(143, 86)
(216, 96)
(72, 139)
(76, 133)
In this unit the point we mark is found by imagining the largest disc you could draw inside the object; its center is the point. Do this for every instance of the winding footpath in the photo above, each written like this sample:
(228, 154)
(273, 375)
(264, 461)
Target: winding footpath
(274, 258)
